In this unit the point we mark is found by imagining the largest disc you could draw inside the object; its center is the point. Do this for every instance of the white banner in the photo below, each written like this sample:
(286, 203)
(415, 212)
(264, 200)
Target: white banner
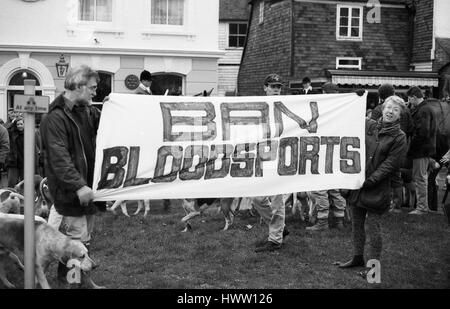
(158, 147)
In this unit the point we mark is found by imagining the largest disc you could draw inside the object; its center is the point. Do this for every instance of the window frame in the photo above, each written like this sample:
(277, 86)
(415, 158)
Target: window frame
(150, 29)
(347, 66)
(349, 25)
(95, 22)
(237, 35)
(185, 8)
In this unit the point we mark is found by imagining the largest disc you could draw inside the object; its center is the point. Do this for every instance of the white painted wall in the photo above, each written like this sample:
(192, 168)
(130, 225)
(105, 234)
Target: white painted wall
(442, 19)
(227, 79)
(54, 23)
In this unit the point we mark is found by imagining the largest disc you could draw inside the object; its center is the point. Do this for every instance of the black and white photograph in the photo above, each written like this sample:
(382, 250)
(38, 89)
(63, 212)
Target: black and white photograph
(224, 151)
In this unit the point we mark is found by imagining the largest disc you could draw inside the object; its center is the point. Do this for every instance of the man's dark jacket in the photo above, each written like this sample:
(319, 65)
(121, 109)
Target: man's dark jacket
(442, 112)
(64, 157)
(423, 139)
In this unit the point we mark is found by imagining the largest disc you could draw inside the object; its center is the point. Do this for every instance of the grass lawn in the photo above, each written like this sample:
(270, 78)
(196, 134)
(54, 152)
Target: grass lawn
(153, 253)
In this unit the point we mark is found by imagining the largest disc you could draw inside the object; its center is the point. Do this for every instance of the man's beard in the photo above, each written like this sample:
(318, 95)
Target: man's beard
(82, 102)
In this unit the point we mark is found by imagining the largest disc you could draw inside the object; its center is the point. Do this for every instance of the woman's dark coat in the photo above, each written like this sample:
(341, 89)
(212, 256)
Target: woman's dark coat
(386, 148)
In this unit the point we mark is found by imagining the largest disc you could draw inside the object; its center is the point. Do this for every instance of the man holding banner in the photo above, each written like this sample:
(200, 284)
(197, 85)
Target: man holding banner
(68, 139)
(272, 209)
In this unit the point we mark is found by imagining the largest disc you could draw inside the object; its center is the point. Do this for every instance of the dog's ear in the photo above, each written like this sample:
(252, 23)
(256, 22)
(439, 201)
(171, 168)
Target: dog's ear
(4, 195)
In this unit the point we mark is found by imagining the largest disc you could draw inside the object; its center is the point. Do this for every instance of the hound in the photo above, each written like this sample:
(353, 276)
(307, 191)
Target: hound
(123, 206)
(51, 246)
(10, 201)
(196, 207)
(13, 199)
(304, 204)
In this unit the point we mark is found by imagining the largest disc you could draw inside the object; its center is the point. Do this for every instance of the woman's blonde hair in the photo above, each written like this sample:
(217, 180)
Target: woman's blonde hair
(396, 100)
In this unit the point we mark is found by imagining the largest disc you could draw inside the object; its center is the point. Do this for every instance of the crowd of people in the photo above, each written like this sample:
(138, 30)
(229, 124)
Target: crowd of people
(405, 142)
(12, 149)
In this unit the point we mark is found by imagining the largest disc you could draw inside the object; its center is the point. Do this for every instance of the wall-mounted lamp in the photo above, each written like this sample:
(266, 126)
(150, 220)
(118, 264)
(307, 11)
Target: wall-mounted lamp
(62, 66)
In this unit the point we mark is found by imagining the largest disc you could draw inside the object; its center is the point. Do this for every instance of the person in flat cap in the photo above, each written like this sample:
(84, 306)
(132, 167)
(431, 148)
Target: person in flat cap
(273, 84)
(271, 208)
(146, 82)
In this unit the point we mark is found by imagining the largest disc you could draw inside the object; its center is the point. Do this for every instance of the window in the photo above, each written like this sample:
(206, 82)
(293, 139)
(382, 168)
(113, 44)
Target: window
(167, 12)
(348, 63)
(349, 22)
(261, 12)
(104, 86)
(18, 78)
(95, 10)
(162, 82)
(236, 34)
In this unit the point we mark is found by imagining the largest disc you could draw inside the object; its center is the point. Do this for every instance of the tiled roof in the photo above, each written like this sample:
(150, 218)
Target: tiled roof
(233, 10)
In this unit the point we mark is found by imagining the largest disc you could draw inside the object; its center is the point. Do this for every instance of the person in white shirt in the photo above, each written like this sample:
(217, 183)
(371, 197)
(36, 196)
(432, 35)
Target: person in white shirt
(307, 88)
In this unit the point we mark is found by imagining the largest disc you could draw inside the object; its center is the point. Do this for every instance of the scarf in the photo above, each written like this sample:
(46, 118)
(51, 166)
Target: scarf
(388, 128)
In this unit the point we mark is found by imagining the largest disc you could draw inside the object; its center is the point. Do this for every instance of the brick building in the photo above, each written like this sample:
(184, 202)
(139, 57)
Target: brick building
(339, 41)
(431, 40)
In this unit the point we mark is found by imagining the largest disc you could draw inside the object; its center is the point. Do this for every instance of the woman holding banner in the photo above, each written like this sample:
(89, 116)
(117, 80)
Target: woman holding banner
(386, 148)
